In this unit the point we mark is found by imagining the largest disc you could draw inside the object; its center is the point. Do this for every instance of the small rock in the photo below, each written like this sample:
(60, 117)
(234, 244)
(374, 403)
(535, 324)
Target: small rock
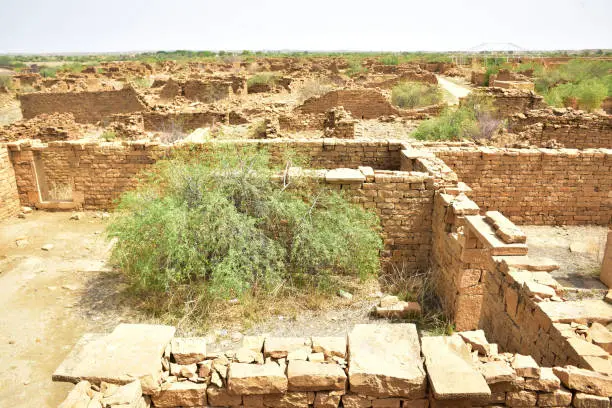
(316, 357)
(245, 355)
(47, 247)
(77, 216)
(26, 210)
(344, 294)
(389, 301)
(216, 379)
(21, 243)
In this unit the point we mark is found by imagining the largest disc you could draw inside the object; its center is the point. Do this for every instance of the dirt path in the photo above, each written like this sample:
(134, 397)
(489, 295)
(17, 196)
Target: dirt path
(49, 299)
(43, 298)
(454, 88)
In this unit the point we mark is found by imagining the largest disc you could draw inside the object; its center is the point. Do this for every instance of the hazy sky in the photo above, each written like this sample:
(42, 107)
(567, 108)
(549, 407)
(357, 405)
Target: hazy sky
(126, 25)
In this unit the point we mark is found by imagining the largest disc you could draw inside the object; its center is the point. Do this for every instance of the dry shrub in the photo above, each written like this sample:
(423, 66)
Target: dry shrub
(310, 88)
(60, 191)
(419, 286)
(173, 131)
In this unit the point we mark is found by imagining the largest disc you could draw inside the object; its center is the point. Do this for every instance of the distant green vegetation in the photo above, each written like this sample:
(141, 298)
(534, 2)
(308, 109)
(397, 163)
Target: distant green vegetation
(355, 67)
(584, 83)
(389, 59)
(6, 81)
(48, 72)
(580, 82)
(416, 94)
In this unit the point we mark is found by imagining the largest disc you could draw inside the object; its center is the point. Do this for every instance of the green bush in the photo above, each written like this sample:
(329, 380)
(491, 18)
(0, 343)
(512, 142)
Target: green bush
(474, 119)
(416, 94)
(452, 124)
(222, 222)
(48, 72)
(109, 135)
(355, 68)
(588, 94)
(6, 81)
(389, 60)
(586, 82)
(265, 78)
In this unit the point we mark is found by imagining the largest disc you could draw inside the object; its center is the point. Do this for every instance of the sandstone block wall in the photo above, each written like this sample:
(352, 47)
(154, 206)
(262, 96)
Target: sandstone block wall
(572, 129)
(537, 186)
(403, 201)
(9, 198)
(102, 171)
(361, 103)
(181, 121)
(375, 366)
(510, 101)
(207, 91)
(87, 107)
(513, 319)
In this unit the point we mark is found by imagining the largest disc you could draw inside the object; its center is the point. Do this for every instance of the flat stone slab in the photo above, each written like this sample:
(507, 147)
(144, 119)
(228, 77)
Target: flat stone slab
(385, 360)
(529, 263)
(280, 347)
(131, 351)
(310, 376)
(180, 394)
(487, 234)
(250, 379)
(583, 311)
(504, 228)
(452, 374)
(344, 176)
(188, 350)
(330, 346)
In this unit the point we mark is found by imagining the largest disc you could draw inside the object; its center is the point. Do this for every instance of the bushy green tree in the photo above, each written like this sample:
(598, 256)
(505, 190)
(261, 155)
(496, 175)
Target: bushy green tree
(222, 220)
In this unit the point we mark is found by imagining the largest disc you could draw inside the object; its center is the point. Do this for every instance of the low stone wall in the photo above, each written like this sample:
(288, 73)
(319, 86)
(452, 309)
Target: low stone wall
(510, 101)
(486, 280)
(87, 107)
(102, 171)
(9, 198)
(374, 366)
(207, 91)
(537, 186)
(361, 103)
(570, 128)
(184, 122)
(403, 202)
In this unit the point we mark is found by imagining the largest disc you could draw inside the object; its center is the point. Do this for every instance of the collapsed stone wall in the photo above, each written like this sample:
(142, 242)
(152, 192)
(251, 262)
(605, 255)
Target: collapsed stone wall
(537, 186)
(207, 91)
(87, 107)
(46, 128)
(509, 101)
(570, 128)
(181, 122)
(9, 198)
